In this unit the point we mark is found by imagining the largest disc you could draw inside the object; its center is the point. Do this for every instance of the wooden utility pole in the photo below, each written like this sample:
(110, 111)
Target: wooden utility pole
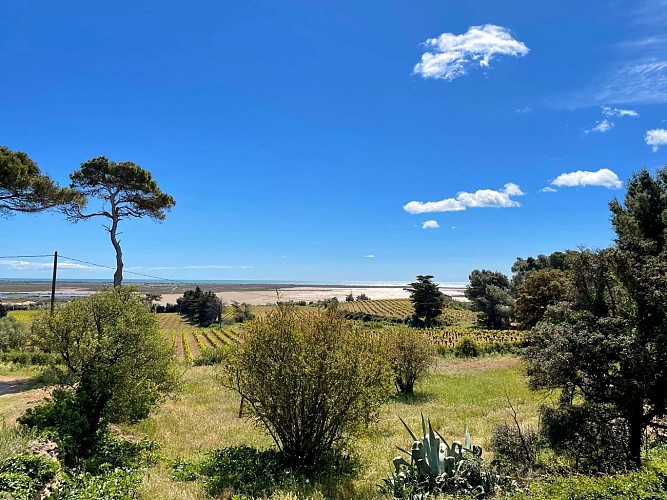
(53, 282)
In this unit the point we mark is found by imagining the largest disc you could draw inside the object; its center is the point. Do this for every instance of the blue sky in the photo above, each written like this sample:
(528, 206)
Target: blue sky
(295, 135)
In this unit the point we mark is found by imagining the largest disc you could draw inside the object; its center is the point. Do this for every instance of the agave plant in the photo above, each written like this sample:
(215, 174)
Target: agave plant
(436, 466)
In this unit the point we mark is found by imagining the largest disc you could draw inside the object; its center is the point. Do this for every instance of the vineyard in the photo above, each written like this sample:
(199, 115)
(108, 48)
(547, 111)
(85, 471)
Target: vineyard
(187, 340)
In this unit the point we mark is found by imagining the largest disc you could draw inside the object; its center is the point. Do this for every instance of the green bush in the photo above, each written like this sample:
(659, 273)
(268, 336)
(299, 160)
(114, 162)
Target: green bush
(119, 364)
(411, 353)
(466, 347)
(23, 476)
(13, 334)
(311, 379)
(516, 448)
(115, 484)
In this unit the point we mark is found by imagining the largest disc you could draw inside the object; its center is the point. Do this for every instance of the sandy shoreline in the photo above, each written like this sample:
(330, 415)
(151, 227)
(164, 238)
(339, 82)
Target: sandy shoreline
(255, 293)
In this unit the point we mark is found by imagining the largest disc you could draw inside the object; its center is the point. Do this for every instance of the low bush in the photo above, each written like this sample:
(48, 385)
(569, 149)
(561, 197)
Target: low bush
(647, 484)
(516, 448)
(23, 476)
(13, 334)
(311, 379)
(466, 347)
(243, 470)
(412, 355)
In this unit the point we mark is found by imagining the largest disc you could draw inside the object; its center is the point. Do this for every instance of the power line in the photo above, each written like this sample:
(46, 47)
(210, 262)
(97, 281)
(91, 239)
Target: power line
(23, 256)
(124, 271)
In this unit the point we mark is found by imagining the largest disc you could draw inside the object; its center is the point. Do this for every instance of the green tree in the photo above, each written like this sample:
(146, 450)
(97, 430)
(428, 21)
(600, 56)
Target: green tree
(311, 379)
(202, 308)
(522, 268)
(24, 188)
(119, 367)
(541, 289)
(125, 189)
(427, 300)
(607, 350)
(3, 310)
(13, 334)
(490, 294)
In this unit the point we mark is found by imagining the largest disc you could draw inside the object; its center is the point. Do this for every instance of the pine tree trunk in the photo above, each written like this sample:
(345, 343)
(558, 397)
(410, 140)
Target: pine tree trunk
(118, 275)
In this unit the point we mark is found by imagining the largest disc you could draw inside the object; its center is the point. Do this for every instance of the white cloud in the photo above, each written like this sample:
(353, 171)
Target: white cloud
(602, 126)
(607, 111)
(430, 224)
(523, 110)
(656, 138)
(548, 190)
(369, 256)
(28, 265)
(603, 177)
(481, 198)
(452, 55)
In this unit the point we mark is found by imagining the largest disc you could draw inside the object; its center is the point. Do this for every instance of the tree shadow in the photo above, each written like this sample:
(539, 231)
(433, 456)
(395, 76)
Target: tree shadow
(416, 398)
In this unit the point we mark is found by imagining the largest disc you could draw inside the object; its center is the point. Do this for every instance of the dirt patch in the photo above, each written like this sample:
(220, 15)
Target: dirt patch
(13, 385)
(455, 366)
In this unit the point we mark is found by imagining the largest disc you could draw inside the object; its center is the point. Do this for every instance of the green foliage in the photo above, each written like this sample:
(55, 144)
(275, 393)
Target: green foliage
(202, 308)
(119, 364)
(115, 484)
(516, 447)
(490, 294)
(427, 300)
(23, 476)
(311, 379)
(242, 312)
(211, 356)
(13, 334)
(3, 310)
(246, 471)
(363, 297)
(647, 484)
(412, 355)
(349, 297)
(30, 358)
(466, 347)
(540, 290)
(24, 188)
(522, 268)
(438, 468)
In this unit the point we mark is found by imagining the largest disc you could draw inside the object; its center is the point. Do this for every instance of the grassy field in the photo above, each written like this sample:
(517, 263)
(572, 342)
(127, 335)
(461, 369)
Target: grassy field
(457, 395)
(24, 316)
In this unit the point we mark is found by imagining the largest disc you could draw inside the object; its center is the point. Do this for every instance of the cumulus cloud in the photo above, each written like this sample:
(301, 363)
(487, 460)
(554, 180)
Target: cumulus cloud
(605, 125)
(481, 198)
(369, 256)
(451, 56)
(430, 224)
(656, 138)
(603, 177)
(548, 189)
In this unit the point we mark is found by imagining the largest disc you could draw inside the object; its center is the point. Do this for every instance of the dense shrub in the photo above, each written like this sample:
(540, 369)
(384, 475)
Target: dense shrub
(13, 334)
(119, 364)
(242, 312)
(23, 476)
(310, 379)
(412, 355)
(586, 435)
(517, 448)
(466, 347)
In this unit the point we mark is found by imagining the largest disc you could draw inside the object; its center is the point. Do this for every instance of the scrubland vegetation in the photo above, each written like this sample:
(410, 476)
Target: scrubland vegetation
(550, 384)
